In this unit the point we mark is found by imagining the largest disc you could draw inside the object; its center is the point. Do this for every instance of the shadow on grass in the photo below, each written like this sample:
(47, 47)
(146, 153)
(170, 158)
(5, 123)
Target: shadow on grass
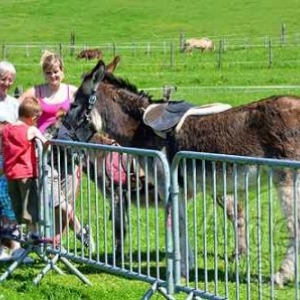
(146, 264)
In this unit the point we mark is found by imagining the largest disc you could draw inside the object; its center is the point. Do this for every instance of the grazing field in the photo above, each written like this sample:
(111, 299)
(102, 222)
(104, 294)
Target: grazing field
(146, 36)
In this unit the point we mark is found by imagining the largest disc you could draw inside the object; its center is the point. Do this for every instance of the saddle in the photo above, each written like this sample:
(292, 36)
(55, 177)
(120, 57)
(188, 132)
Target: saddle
(164, 117)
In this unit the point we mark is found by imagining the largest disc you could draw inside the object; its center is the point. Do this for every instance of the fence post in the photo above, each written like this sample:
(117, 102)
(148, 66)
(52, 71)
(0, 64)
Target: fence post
(270, 54)
(220, 54)
(113, 49)
(181, 40)
(172, 55)
(282, 34)
(3, 51)
(72, 43)
(224, 44)
(60, 49)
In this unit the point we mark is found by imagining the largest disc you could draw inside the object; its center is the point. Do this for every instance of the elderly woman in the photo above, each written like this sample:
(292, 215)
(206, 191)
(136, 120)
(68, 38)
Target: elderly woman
(8, 114)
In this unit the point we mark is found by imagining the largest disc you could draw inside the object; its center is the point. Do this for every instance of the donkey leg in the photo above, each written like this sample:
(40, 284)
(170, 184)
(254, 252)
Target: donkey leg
(187, 258)
(287, 267)
(237, 219)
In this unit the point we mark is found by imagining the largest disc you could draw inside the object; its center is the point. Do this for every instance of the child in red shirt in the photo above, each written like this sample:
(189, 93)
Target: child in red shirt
(20, 163)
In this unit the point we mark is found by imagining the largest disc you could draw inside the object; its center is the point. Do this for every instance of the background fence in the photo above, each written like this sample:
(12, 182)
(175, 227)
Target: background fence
(230, 50)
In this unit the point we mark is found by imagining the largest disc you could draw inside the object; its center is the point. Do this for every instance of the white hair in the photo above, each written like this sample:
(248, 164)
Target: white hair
(7, 67)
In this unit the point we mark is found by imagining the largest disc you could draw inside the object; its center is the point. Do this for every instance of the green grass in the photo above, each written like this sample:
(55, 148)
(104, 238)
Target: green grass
(133, 26)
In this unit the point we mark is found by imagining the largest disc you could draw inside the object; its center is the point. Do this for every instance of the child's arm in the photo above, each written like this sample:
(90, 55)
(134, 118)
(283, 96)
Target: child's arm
(34, 132)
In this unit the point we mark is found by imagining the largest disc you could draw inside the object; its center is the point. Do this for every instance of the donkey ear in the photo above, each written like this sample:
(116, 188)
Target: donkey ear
(98, 72)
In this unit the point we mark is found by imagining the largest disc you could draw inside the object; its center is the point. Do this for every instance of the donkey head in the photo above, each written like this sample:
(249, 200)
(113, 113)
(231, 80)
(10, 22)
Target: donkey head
(76, 124)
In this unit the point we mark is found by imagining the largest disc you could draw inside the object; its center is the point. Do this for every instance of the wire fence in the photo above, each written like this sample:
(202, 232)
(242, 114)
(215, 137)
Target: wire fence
(229, 50)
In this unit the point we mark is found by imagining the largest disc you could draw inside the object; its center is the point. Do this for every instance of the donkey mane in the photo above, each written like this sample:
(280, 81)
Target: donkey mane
(124, 84)
(131, 100)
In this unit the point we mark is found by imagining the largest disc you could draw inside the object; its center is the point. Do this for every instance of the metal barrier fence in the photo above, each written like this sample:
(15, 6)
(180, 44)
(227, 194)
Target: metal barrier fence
(138, 219)
(237, 260)
(123, 218)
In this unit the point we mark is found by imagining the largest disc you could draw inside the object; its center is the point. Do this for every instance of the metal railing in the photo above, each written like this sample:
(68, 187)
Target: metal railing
(138, 218)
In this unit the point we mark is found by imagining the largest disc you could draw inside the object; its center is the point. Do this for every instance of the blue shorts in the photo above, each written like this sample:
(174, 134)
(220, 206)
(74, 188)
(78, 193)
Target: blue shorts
(6, 209)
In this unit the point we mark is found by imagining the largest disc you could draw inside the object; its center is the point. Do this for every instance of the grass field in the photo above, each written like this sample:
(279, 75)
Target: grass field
(245, 74)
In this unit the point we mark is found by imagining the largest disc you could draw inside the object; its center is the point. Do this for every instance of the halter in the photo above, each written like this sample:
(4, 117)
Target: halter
(91, 102)
(74, 128)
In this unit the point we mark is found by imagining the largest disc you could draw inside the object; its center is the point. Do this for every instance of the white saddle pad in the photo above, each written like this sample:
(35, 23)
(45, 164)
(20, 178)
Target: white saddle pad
(207, 109)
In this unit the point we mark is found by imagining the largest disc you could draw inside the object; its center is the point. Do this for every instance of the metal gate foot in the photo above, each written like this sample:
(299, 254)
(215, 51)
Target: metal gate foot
(15, 264)
(155, 288)
(75, 271)
(51, 264)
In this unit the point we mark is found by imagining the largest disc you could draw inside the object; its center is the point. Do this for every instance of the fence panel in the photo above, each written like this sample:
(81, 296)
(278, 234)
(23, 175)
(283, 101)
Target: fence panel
(118, 211)
(237, 252)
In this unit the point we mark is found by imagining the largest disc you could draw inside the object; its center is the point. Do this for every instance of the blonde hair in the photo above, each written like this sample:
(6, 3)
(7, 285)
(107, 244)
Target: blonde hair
(48, 59)
(30, 107)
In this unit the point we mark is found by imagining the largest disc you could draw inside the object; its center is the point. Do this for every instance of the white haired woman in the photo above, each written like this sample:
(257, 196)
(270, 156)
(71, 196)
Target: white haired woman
(9, 249)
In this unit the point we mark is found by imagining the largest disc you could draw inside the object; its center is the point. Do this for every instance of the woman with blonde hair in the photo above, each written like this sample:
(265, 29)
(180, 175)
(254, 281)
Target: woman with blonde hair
(55, 96)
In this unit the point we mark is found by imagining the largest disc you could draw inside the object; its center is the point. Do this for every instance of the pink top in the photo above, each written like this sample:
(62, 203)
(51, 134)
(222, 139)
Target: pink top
(48, 116)
(18, 153)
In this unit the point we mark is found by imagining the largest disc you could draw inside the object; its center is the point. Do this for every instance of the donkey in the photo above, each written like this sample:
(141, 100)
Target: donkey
(268, 128)
(89, 54)
(203, 45)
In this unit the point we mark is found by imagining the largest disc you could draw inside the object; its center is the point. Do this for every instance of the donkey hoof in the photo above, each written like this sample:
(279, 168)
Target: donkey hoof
(278, 279)
(282, 277)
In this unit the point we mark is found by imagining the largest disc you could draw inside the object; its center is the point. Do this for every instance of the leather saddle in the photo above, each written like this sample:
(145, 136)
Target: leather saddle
(164, 116)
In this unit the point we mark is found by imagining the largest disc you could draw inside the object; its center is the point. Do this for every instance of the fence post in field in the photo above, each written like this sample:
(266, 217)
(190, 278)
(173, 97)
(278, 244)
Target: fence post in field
(181, 40)
(113, 49)
(60, 49)
(224, 44)
(3, 51)
(220, 54)
(282, 39)
(172, 55)
(270, 53)
(72, 43)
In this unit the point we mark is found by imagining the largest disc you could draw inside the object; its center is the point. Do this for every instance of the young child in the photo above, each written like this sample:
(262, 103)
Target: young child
(7, 217)
(20, 164)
